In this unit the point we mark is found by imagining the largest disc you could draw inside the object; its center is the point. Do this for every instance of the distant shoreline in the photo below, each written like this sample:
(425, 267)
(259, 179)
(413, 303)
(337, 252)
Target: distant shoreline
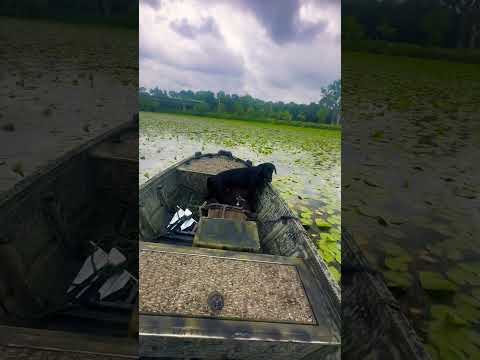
(112, 22)
(380, 47)
(266, 121)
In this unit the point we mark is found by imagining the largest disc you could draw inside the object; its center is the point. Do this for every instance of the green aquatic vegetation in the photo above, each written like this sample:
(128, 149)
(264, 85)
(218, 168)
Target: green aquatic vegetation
(447, 313)
(462, 276)
(17, 168)
(398, 279)
(306, 214)
(399, 263)
(322, 225)
(335, 273)
(473, 267)
(328, 237)
(394, 233)
(394, 250)
(306, 221)
(476, 293)
(378, 134)
(328, 245)
(334, 220)
(435, 282)
(307, 160)
(452, 339)
(327, 256)
(468, 309)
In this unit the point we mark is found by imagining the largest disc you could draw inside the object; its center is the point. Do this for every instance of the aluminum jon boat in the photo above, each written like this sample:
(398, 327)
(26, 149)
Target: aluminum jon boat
(236, 285)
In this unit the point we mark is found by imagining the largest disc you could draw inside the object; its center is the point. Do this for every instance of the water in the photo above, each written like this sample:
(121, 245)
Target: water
(410, 162)
(307, 162)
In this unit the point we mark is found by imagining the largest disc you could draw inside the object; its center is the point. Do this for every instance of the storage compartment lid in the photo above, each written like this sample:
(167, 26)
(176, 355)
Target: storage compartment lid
(227, 234)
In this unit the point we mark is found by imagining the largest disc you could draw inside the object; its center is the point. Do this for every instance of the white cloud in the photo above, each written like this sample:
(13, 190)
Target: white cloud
(231, 46)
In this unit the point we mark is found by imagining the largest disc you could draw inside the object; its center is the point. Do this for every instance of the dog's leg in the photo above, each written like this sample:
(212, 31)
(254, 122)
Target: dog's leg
(212, 189)
(251, 197)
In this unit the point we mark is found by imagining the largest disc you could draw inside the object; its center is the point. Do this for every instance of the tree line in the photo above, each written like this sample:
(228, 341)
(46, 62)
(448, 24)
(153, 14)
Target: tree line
(325, 111)
(123, 12)
(430, 23)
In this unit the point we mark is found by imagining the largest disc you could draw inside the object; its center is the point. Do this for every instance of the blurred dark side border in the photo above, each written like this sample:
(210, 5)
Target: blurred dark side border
(410, 183)
(68, 179)
(119, 13)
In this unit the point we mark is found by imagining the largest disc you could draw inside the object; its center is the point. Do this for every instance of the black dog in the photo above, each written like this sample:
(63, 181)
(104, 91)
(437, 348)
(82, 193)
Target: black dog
(251, 179)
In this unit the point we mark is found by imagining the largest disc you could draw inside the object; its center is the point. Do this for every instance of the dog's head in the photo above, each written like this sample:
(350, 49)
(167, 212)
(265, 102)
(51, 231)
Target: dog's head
(266, 171)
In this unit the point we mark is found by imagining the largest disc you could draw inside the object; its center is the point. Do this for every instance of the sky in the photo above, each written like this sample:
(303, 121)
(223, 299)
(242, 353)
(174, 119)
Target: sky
(279, 50)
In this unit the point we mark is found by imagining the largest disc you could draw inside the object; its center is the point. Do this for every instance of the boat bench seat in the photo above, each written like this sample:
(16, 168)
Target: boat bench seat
(227, 234)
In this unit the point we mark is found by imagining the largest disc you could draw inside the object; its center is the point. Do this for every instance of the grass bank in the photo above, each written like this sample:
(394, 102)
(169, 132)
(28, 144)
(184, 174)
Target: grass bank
(471, 56)
(194, 115)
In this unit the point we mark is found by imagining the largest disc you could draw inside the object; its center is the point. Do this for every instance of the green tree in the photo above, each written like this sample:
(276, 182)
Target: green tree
(237, 107)
(201, 107)
(352, 30)
(468, 13)
(322, 114)
(435, 26)
(285, 115)
(386, 31)
(331, 99)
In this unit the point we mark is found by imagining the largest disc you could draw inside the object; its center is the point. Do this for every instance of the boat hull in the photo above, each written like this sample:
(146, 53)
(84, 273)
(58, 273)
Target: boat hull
(184, 184)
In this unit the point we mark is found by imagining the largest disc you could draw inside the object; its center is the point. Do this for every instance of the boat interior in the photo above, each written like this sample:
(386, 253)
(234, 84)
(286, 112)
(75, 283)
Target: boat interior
(185, 187)
(54, 221)
(276, 230)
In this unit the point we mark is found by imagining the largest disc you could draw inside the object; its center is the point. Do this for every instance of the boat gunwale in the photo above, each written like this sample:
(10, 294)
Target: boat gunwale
(168, 325)
(377, 284)
(247, 330)
(176, 165)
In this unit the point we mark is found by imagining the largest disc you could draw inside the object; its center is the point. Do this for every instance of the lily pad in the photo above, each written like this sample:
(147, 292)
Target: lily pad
(306, 221)
(322, 225)
(473, 267)
(451, 336)
(398, 279)
(435, 282)
(305, 209)
(327, 256)
(399, 263)
(335, 273)
(447, 313)
(394, 249)
(461, 276)
(432, 351)
(452, 341)
(395, 233)
(328, 237)
(476, 293)
(327, 246)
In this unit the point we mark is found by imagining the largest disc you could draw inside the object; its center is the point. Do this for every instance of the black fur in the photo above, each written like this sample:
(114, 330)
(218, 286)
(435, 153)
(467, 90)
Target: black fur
(251, 179)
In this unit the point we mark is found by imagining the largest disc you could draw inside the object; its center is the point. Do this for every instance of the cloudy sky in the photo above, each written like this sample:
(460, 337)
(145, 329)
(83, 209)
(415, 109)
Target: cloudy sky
(271, 49)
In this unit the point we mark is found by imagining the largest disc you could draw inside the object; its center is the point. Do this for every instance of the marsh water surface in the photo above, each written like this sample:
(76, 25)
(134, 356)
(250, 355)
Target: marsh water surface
(307, 160)
(411, 193)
